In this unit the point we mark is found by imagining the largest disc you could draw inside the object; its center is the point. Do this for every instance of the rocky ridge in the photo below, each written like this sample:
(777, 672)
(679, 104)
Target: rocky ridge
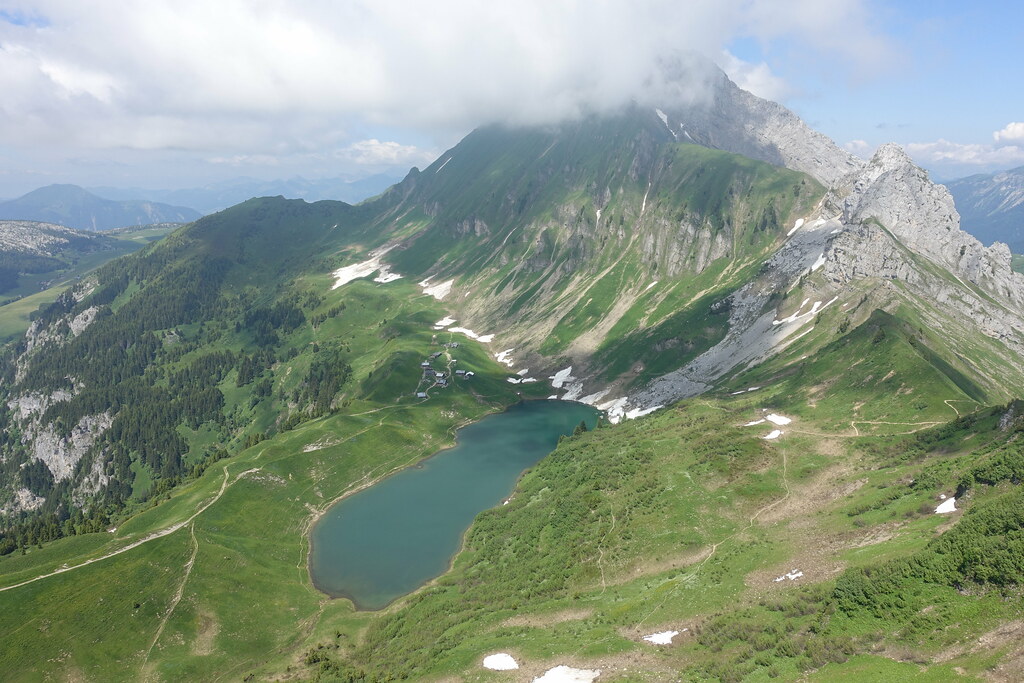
(737, 121)
(883, 221)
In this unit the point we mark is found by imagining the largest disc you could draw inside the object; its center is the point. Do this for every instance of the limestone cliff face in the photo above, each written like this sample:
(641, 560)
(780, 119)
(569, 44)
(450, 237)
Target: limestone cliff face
(885, 222)
(736, 121)
(894, 192)
(60, 452)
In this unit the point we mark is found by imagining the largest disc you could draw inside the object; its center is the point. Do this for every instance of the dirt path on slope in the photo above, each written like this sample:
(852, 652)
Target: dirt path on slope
(151, 537)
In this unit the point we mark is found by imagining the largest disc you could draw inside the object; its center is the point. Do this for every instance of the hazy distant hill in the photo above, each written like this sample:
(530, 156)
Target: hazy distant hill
(75, 207)
(218, 196)
(991, 206)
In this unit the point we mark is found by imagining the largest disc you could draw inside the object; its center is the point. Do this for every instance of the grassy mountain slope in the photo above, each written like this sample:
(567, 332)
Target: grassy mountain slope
(591, 237)
(221, 394)
(653, 526)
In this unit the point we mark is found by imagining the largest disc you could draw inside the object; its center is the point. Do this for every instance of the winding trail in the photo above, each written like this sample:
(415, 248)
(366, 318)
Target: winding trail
(681, 580)
(176, 598)
(146, 539)
(600, 550)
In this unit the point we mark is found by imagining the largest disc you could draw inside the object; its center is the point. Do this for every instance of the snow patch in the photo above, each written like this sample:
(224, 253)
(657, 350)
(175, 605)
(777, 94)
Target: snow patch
(651, 285)
(948, 505)
(561, 377)
(567, 674)
(755, 422)
(792, 576)
(486, 338)
(614, 409)
(777, 419)
(592, 399)
(818, 263)
(640, 412)
(440, 291)
(504, 357)
(501, 661)
(663, 638)
(774, 434)
(444, 322)
(444, 164)
(664, 119)
(573, 391)
(797, 226)
(599, 214)
(470, 333)
(346, 274)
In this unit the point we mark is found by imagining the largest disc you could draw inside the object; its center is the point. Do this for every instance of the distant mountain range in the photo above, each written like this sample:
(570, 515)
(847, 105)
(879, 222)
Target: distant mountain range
(218, 196)
(991, 206)
(75, 207)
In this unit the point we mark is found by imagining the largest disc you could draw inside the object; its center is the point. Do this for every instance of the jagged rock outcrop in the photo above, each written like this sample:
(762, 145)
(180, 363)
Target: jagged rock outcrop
(61, 454)
(886, 221)
(896, 193)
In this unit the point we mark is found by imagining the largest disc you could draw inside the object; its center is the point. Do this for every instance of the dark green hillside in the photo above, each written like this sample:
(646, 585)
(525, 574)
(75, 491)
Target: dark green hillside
(593, 239)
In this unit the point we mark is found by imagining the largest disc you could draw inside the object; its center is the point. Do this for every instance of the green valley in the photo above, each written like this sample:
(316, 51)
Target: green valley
(808, 463)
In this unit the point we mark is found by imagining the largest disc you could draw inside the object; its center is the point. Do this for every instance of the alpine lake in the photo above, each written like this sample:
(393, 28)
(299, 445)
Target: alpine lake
(389, 539)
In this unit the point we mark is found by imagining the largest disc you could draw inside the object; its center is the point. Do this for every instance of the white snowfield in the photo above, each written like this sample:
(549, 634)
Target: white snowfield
(561, 377)
(501, 661)
(439, 291)
(755, 422)
(444, 322)
(777, 419)
(505, 357)
(797, 226)
(385, 275)
(346, 274)
(772, 435)
(663, 638)
(948, 505)
(792, 576)
(567, 674)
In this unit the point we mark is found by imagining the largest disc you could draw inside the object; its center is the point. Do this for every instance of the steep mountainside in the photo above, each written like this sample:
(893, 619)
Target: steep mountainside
(176, 422)
(992, 206)
(73, 207)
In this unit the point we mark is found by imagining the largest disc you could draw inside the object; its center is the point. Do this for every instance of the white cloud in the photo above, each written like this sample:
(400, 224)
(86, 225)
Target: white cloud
(946, 152)
(376, 153)
(1013, 132)
(255, 79)
(755, 78)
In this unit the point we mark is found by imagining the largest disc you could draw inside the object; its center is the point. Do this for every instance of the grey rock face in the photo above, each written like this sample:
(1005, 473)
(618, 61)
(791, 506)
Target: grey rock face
(739, 122)
(893, 192)
(886, 221)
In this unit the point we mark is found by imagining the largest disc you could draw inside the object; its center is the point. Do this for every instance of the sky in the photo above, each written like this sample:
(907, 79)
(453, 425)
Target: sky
(170, 94)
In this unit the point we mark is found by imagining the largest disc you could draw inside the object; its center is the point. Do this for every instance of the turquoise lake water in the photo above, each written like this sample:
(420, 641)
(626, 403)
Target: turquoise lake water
(391, 538)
